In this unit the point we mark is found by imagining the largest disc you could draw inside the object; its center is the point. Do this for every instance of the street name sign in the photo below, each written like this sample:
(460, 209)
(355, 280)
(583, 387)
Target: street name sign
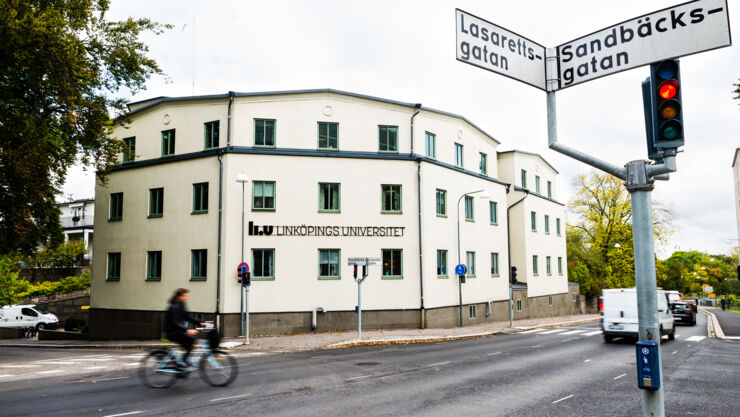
(356, 261)
(491, 47)
(373, 261)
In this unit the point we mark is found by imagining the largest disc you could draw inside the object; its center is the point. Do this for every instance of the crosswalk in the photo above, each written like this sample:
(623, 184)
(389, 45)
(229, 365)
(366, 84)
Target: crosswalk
(69, 365)
(586, 332)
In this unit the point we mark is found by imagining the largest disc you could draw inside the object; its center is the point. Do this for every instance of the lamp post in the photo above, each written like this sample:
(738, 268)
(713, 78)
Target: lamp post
(242, 178)
(481, 194)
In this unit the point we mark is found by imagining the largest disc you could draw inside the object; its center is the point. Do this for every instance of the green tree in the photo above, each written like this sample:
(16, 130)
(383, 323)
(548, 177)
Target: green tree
(599, 244)
(11, 287)
(61, 62)
(66, 255)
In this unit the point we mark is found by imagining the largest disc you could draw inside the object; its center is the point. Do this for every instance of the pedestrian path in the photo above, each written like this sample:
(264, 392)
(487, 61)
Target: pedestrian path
(587, 332)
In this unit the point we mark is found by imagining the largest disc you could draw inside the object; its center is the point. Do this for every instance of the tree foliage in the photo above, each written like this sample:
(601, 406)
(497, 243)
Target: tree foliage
(599, 234)
(10, 285)
(61, 62)
(66, 255)
(687, 272)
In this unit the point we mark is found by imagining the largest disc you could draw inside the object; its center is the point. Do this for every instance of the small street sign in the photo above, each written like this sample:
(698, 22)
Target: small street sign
(374, 261)
(356, 261)
(461, 269)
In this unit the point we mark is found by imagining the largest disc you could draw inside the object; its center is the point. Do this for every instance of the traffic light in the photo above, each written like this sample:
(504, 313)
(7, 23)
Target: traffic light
(666, 115)
(513, 274)
(354, 271)
(243, 276)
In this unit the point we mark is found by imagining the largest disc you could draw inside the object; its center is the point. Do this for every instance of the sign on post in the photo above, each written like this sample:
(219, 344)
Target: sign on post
(374, 261)
(356, 261)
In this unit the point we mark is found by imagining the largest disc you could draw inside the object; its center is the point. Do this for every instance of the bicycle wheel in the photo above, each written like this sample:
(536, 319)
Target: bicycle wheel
(218, 369)
(154, 374)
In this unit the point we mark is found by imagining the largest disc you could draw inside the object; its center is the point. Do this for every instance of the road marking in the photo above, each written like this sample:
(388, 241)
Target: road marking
(96, 367)
(5, 375)
(494, 353)
(50, 372)
(19, 366)
(619, 376)
(124, 414)
(111, 379)
(587, 360)
(59, 363)
(357, 377)
(439, 364)
(689, 345)
(535, 346)
(533, 331)
(95, 359)
(138, 355)
(574, 332)
(562, 399)
(591, 333)
(674, 352)
(696, 338)
(321, 356)
(132, 364)
(229, 398)
(553, 331)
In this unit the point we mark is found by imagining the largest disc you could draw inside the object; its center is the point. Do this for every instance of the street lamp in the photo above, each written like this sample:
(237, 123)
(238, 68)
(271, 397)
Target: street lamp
(243, 178)
(483, 194)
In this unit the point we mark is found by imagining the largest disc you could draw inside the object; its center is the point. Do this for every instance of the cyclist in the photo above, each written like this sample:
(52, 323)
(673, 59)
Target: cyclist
(174, 327)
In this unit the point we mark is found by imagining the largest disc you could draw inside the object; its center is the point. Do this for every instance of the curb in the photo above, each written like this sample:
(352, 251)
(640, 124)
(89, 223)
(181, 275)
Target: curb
(714, 329)
(561, 324)
(87, 346)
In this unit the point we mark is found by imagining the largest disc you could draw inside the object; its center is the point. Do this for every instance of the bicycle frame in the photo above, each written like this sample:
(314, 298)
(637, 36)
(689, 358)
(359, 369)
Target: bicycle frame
(201, 351)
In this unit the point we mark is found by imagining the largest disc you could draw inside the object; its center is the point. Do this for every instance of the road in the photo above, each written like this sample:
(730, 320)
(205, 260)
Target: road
(551, 372)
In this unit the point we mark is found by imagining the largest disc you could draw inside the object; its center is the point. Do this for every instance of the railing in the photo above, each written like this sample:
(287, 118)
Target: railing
(76, 221)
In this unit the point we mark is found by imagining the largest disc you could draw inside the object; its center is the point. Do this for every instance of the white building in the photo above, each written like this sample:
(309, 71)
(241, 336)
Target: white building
(736, 183)
(332, 175)
(77, 221)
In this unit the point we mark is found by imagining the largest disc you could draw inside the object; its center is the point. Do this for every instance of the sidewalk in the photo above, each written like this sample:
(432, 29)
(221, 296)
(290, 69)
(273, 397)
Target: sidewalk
(726, 324)
(311, 341)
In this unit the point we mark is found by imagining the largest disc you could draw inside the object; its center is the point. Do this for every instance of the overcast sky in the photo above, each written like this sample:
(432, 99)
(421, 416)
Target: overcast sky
(405, 50)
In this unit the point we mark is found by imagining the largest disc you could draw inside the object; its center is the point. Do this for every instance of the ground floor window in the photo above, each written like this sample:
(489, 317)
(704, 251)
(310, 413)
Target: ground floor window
(560, 265)
(518, 305)
(198, 264)
(329, 264)
(441, 262)
(549, 300)
(114, 266)
(494, 264)
(263, 264)
(392, 263)
(473, 312)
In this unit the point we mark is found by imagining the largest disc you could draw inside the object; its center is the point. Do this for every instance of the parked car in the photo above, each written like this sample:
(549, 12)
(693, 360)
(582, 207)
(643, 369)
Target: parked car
(619, 314)
(682, 312)
(27, 316)
(693, 304)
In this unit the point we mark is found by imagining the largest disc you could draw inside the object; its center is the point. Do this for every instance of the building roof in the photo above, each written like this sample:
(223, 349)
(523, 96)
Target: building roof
(533, 154)
(83, 200)
(137, 106)
(734, 159)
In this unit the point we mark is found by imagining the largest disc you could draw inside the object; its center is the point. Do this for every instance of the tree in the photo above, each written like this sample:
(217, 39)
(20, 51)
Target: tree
(10, 285)
(599, 241)
(60, 63)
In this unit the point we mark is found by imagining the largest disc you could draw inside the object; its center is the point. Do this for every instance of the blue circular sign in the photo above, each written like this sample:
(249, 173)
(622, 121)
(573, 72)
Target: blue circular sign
(461, 269)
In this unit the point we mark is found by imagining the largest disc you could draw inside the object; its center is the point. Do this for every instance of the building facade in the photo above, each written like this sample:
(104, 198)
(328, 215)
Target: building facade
(77, 219)
(736, 183)
(331, 175)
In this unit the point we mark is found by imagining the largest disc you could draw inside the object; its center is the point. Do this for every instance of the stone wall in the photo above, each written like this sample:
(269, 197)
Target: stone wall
(63, 305)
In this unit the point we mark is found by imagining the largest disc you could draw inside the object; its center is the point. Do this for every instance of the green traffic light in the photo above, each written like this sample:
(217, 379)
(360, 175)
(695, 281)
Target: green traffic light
(670, 132)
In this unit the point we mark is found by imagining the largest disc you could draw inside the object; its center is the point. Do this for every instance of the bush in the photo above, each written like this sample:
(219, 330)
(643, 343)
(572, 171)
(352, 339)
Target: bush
(75, 324)
(11, 287)
(65, 285)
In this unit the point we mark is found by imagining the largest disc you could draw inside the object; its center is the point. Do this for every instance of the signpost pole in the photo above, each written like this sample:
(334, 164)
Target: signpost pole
(359, 309)
(246, 315)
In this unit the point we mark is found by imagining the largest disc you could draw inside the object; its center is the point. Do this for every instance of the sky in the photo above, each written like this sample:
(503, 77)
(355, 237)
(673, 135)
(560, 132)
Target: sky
(405, 51)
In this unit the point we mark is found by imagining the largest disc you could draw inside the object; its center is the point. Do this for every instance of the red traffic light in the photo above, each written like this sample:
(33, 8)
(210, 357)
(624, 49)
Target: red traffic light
(668, 89)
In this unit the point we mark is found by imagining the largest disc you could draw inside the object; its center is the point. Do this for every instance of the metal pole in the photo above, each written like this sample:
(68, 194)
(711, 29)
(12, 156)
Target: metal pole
(459, 281)
(359, 309)
(241, 293)
(246, 321)
(647, 297)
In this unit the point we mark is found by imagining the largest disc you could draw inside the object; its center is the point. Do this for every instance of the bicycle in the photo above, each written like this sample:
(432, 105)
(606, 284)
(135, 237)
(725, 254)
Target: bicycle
(217, 368)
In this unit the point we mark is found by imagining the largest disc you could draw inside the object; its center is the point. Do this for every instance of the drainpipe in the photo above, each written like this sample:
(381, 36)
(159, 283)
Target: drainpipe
(220, 208)
(418, 199)
(508, 244)
(228, 120)
(314, 318)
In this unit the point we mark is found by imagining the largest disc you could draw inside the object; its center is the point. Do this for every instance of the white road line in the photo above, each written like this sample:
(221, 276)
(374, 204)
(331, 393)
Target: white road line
(553, 331)
(124, 414)
(60, 363)
(689, 345)
(96, 367)
(5, 375)
(50, 372)
(562, 399)
(132, 364)
(591, 333)
(587, 360)
(674, 352)
(229, 398)
(696, 338)
(95, 359)
(619, 376)
(438, 364)
(358, 377)
(536, 346)
(19, 366)
(574, 332)
(111, 379)
(533, 331)
(494, 353)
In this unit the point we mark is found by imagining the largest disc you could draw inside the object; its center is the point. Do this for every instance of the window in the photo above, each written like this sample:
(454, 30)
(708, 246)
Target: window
(431, 145)
(391, 196)
(560, 265)
(116, 206)
(199, 264)
(29, 312)
(549, 189)
(472, 311)
(494, 264)
(388, 138)
(537, 184)
(547, 224)
(328, 263)
(441, 263)
(524, 179)
(441, 202)
(518, 305)
(156, 202)
(154, 266)
(483, 164)
(470, 263)
(263, 195)
(114, 266)
(533, 216)
(548, 269)
(328, 136)
(493, 212)
(168, 142)
(263, 264)
(129, 152)
(264, 133)
(392, 262)
(549, 300)
(200, 197)
(458, 155)
(469, 215)
(535, 270)
(557, 226)
(210, 132)
(328, 197)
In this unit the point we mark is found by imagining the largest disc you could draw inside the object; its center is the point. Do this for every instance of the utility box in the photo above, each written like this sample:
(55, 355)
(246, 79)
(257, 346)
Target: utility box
(648, 369)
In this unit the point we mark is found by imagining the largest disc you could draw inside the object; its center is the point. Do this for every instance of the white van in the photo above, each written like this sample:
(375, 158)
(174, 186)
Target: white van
(619, 314)
(25, 316)
(674, 296)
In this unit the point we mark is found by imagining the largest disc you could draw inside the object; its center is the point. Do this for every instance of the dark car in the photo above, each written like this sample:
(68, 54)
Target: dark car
(693, 305)
(684, 313)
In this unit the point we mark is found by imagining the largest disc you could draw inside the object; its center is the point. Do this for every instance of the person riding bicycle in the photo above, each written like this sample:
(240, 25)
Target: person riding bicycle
(174, 327)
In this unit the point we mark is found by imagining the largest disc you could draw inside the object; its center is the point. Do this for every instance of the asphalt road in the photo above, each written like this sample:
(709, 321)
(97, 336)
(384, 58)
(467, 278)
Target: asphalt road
(553, 372)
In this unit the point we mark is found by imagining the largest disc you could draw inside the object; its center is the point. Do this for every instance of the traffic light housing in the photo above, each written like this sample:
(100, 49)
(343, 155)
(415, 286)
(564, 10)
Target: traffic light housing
(664, 122)
(354, 271)
(513, 274)
(243, 275)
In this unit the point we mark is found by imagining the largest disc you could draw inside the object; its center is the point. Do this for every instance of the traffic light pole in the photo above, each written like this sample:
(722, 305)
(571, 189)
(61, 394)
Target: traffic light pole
(639, 176)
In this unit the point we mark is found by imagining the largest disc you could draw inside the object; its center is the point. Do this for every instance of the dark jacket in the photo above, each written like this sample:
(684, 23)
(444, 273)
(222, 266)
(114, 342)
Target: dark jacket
(176, 316)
